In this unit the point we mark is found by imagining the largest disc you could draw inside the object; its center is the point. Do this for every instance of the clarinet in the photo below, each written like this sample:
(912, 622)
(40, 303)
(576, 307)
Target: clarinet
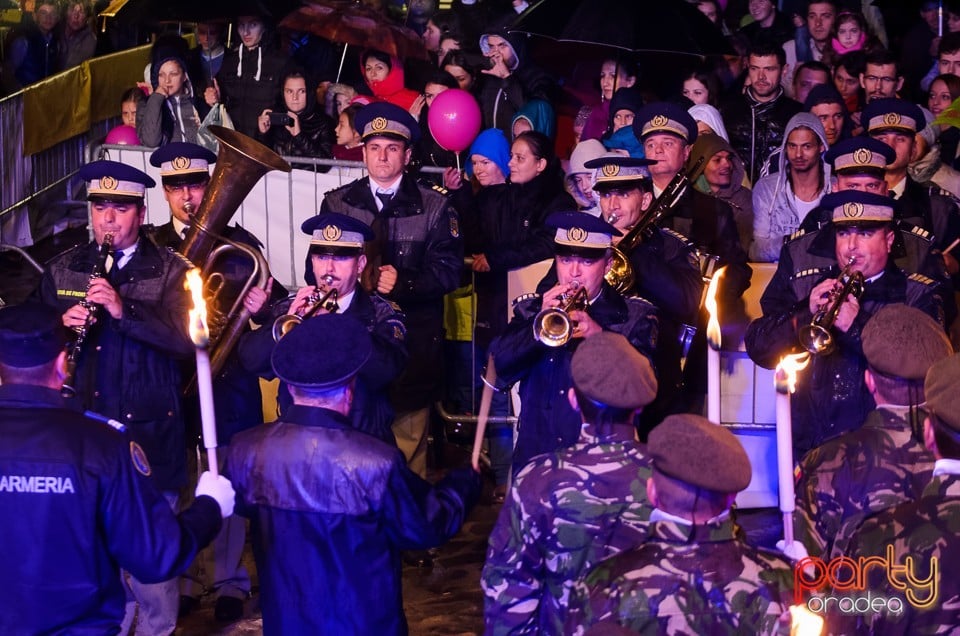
(99, 269)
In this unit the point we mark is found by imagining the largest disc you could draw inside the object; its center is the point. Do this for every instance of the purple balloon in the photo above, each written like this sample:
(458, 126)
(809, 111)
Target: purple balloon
(454, 119)
(123, 135)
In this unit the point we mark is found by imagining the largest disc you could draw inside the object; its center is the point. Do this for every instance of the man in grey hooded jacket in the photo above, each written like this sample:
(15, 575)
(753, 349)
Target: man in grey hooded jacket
(782, 199)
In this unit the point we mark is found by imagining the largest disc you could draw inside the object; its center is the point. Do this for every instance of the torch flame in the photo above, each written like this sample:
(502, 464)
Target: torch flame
(803, 622)
(713, 324)
(199, 333)
(785, 377)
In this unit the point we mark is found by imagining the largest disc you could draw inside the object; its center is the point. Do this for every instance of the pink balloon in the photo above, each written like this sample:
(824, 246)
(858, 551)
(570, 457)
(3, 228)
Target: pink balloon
(454, 119)
(123, 135)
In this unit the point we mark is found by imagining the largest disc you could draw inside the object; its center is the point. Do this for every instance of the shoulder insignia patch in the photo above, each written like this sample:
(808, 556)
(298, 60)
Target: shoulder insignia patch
(399, 330)
(524, 298)
(139, 459)
(920, 278)
(454, 226)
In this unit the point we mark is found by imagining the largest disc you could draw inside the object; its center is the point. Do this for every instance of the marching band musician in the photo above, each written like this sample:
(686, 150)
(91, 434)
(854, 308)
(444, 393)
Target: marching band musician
(664, 266)
(130, 368)
(541, 363)
(184, 176)
(831, 397)
(334, 263)
(667, 132)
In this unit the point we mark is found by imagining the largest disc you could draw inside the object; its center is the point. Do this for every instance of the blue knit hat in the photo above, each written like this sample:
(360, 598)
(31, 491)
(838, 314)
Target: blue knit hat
(492, 144)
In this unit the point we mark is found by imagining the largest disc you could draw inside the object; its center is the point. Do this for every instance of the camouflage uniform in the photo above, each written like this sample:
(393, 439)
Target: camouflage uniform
(875, 467)
(922, 529)
(567, 511)
(707, 583)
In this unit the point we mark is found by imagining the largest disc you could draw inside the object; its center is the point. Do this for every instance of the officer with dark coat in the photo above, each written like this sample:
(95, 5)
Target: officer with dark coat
(539, 359)
(667, 132)
(136, 340)
(76, 498)
(664, 264)
(130, 365)
(414, 259)
(832, 398)
(312, 479)
(860, 163)
(334, 261)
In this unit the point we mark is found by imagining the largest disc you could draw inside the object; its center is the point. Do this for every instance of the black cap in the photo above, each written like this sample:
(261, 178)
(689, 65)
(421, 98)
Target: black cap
(324, 352)
(31, 334)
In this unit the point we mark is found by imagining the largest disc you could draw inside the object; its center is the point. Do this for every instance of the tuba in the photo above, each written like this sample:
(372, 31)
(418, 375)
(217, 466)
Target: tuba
(620, 275)
(553, 326)
(241, 162)
(816, 337)
(321, 298)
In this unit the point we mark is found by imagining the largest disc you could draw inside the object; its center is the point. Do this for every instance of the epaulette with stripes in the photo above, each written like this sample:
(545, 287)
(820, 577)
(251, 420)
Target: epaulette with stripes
(810, 271)
(439, 188)
(923, 280)
(525, 297)
(677, 235)
(794, 236)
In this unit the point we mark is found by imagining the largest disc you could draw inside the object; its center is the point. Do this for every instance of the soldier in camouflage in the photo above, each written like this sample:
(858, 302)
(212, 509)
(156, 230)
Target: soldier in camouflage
(884, 462)
(924, 529)
(571, 508)
(693, 575)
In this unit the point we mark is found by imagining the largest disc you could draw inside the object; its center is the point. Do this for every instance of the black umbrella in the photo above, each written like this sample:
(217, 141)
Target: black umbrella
(664, 26)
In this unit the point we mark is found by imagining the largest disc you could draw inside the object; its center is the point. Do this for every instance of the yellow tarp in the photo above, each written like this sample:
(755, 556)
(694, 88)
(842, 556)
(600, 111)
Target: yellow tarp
(67, 104)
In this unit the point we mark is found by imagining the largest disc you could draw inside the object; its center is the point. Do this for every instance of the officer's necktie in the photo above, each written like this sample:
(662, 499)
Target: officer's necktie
(384, 198)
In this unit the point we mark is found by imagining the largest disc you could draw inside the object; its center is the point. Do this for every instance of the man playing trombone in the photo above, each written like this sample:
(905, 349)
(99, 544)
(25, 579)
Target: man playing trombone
(539, 342)
(822, 305)
(334, 264)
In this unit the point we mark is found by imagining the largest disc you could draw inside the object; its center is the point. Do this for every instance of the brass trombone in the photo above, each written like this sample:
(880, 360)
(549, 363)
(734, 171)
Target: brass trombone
(320, 298)
(553, 326)
(816, 337)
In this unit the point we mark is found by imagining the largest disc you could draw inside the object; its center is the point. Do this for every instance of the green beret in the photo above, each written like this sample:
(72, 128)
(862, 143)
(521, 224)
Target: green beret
(942, 390)
(694, 450)
(903, 342)
(607, 369)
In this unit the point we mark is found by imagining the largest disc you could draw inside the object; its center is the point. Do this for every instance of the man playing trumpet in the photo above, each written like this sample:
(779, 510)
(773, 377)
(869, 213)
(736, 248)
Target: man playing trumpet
(535, 353)
(831, 396)
(334, 264)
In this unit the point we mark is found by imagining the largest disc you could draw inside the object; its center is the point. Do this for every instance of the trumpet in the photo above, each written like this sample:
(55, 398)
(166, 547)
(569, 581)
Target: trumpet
(324, 296)
(816, 337)
(99, 269)
(553, 326)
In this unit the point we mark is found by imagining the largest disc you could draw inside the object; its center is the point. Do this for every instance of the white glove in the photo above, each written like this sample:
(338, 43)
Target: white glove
(795, 551)
(220, 489)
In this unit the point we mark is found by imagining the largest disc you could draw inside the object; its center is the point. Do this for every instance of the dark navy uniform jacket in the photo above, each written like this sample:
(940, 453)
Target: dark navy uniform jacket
(330, 509)
(547, 421)
(130, 369)
(76, 507)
